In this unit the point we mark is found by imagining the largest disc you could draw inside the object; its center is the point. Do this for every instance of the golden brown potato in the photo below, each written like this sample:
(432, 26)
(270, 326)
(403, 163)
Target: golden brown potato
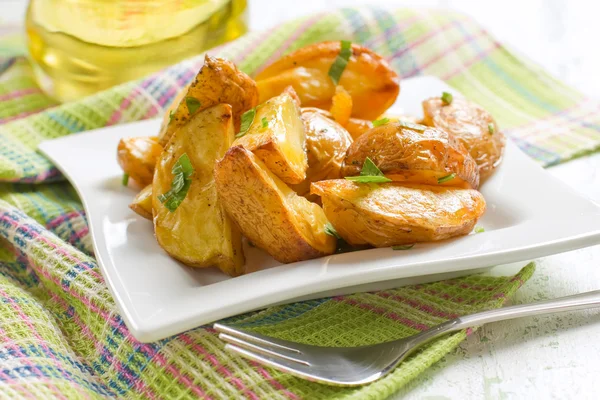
(142, 203)
(277, 137)
(268, 212)
(341, 106)
(394, 213)
(198, 232)
(326, 145)
(472, 125)
(414, 153)
(218, 81)
(355, 126)
(368, 78)
(137, 157)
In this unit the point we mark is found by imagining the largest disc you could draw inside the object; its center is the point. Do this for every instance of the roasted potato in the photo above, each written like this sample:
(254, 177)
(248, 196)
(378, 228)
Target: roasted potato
(395, 213)
(472, 125)
(269, 213)
(341, 106)
(218, 81)
(368, 78)
(413, 153)
(142, 203)
(355, 126)
(277, 137)
(198, 232)
(137, 157)
(326, 145)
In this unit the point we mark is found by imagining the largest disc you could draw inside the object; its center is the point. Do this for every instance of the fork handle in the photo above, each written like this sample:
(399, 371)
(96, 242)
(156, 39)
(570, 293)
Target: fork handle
(568, 303)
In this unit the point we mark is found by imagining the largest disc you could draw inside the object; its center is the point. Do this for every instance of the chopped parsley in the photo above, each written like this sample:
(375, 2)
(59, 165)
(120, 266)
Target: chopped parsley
(340, 62)
(264, 122)
(193, 104)
(182, 171)
(479, 229)
(446, 98)
(170, 115)
(369, 174)
(247, 119)
(446, 178)
(403, 247)
(491, 128)
(330, 230)
(382, 121)
(125, 180)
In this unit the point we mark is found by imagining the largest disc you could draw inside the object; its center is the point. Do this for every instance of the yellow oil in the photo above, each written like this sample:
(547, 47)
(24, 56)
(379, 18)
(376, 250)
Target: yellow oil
(79, 47)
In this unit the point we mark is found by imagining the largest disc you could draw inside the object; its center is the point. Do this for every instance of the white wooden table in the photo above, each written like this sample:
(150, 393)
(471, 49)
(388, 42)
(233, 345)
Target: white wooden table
(535, 358)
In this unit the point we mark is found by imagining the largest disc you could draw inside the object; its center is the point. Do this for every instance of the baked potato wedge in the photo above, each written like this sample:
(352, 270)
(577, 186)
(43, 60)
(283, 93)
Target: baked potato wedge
(394, 213)
(218, 81)
(472, 125)
(277, 137)
(368, 78)
(355, 126)
(137, 157)
(270, 214)
(142, 203)
(198, 232)
(413, 153)
(326, 145)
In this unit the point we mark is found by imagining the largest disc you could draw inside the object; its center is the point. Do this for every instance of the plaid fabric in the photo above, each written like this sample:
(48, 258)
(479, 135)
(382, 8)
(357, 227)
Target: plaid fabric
(60, 333)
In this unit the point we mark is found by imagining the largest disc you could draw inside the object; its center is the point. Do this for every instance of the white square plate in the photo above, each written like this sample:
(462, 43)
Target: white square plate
(529, 214)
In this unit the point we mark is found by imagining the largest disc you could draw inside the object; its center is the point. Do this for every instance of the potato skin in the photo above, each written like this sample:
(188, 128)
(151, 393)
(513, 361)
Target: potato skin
(281, 145)
(218, 81)
(142, 203)
(326, 145)
(270, 214)
(137, 157)
(355, 126)
(368, 78)
(198, 232)
(395, 214)
(419, 155)
(469, 123)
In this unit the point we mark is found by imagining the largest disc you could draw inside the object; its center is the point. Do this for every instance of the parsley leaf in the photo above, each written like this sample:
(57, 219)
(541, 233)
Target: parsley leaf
(382, 121)
(171, 115)
(330, 230)
(182, 171)
(479, 229)
(264, 122)
(125, 180)
(446, 98)
(247, 119)
(193, 104)
(446, 178)
(340, 62)
(369, 174)
(403, 247)
(491, 128)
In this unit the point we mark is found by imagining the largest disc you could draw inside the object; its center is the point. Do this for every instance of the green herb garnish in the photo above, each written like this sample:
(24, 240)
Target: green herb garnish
(446, 98)
(413, 126)
(330, 230)
(479, 229)
(403, 247)
(446, 178)
(340, 62)
(264, 122)
(193, 104)
(182, 171)
(125, 180)
(382, 121)
(491, 128)
(170, 115)
(369, 174)
(247, 119)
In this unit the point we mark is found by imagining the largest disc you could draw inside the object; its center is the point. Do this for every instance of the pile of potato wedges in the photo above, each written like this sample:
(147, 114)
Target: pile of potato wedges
(303, 157)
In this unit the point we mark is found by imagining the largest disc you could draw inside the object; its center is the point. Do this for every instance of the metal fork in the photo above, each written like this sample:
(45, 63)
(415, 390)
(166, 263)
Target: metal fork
(354, 366)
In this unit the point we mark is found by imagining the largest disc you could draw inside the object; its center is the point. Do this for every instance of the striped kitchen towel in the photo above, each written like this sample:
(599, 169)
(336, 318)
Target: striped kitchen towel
(61, 335)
